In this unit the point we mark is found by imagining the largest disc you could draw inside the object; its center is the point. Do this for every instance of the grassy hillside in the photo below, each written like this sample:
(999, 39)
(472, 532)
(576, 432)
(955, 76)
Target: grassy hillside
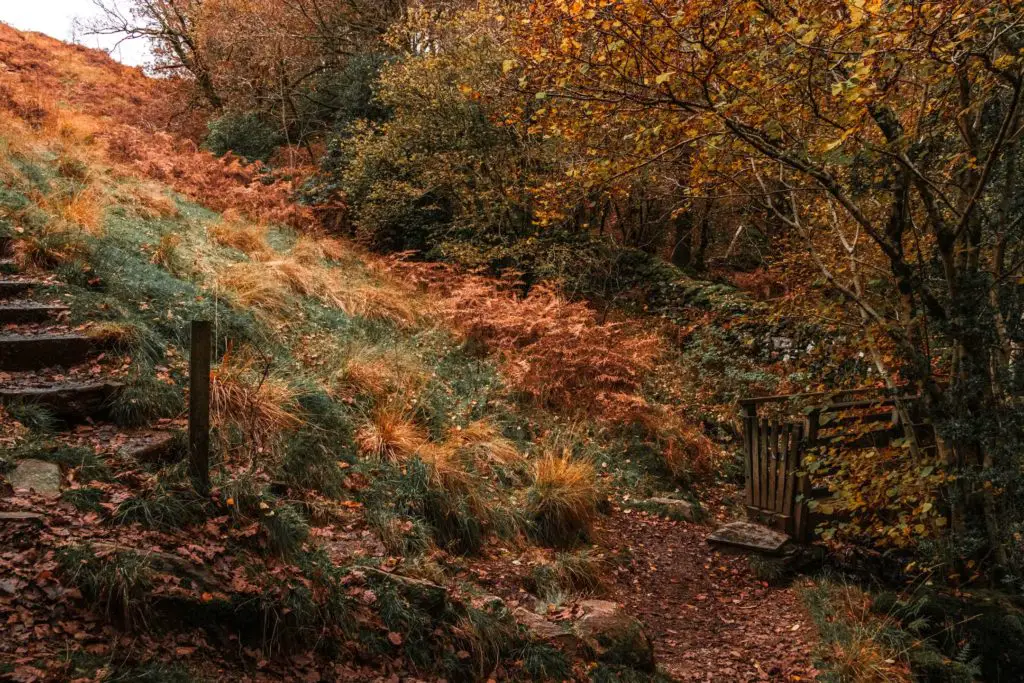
(380, 428)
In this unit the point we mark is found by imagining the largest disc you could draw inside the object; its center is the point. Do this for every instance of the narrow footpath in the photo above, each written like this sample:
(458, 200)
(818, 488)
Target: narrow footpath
(710, 617)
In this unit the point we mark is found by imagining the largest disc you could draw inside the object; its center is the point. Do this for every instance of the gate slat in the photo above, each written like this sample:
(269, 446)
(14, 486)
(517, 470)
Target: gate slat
(792, 466)
(756, 456)
(766, 458)
(782, 467)
(769, 467)
(749, 448)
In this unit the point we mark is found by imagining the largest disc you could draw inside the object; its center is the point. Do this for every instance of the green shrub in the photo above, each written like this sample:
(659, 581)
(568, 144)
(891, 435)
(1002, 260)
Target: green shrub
(248, 134)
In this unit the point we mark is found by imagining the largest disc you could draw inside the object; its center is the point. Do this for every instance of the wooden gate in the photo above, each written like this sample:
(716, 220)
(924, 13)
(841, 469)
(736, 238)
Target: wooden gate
(777, 492)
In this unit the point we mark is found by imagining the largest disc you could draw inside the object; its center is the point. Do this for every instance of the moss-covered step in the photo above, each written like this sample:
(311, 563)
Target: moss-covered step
(68, 401)
(9, 288)
(35, 351)
(25, 312)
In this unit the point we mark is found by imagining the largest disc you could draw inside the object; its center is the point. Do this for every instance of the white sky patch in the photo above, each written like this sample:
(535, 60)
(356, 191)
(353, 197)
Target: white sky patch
(56, 18)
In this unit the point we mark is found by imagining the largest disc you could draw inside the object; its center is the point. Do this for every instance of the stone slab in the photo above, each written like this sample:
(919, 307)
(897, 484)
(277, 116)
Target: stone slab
(36, 475)
(750, 536)
(683, 508)
(14, 517)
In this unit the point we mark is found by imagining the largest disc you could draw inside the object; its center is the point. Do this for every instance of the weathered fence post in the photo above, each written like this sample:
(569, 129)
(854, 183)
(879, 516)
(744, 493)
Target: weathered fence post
(749, 448)
(199, 406)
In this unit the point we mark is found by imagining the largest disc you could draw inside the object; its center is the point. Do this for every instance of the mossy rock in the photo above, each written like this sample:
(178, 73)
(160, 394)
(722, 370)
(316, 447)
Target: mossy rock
(614, 636)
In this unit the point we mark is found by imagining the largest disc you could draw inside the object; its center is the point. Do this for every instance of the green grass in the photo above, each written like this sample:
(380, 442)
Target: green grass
(165, 508)
(88, 466)
(286, 530)
(572, 573)
(542, 662)
(85, 499)
(458, 518)
(117, 583)
(34, 416)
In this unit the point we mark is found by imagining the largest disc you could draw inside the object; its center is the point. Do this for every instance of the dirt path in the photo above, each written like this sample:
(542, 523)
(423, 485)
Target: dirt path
(711, 619)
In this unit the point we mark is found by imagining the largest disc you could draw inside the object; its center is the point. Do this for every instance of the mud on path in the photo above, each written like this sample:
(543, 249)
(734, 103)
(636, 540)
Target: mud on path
(710, 618)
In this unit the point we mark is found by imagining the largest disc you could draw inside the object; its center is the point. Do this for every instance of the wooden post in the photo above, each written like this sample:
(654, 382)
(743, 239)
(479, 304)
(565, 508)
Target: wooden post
(199, 407)
(801, 513)
(749, 449)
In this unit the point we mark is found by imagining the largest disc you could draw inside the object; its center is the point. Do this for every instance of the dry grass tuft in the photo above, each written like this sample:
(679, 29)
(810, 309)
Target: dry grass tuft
(333, 249)
(309, 250)
(562, 500)
(115, 334)
(248, 238)
(76, 127)
(253, 287)
(246, 399)
(389, 434)
(74, 168)
(166, 254)
(48, 248)
(377, 302)
(301, 279)
(85, 209)
(483, 442)
(150, 201)
(378, 372)
(688, 452)
(449, 471)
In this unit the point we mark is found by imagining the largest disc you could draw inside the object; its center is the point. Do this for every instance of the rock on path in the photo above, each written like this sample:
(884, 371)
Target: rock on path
(36, 475)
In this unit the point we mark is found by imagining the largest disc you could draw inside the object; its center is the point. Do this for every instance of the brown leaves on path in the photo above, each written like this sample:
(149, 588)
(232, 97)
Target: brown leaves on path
(710, 618)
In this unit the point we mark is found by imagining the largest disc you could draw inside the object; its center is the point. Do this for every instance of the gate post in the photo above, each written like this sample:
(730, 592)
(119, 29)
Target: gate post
(199, 406)
(749, 448)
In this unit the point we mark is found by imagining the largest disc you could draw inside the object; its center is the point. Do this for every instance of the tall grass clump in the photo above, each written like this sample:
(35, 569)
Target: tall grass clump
(389, 434)
(433, 489)
(562, 501)
(857, 644)
(253, 409)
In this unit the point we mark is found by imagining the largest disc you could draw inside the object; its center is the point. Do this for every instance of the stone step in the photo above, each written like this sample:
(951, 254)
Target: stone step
(750, 537)
(21, 517)
(32, 352)
(68, 401)
(155, 447)
(21, 312)
(9, 288)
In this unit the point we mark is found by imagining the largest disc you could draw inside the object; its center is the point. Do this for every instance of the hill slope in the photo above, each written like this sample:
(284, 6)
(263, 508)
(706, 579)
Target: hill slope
(413, 467)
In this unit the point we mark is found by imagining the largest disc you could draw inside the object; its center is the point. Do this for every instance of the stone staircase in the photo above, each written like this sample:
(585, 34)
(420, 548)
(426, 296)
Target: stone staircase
(36, 350)
(46, 363)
